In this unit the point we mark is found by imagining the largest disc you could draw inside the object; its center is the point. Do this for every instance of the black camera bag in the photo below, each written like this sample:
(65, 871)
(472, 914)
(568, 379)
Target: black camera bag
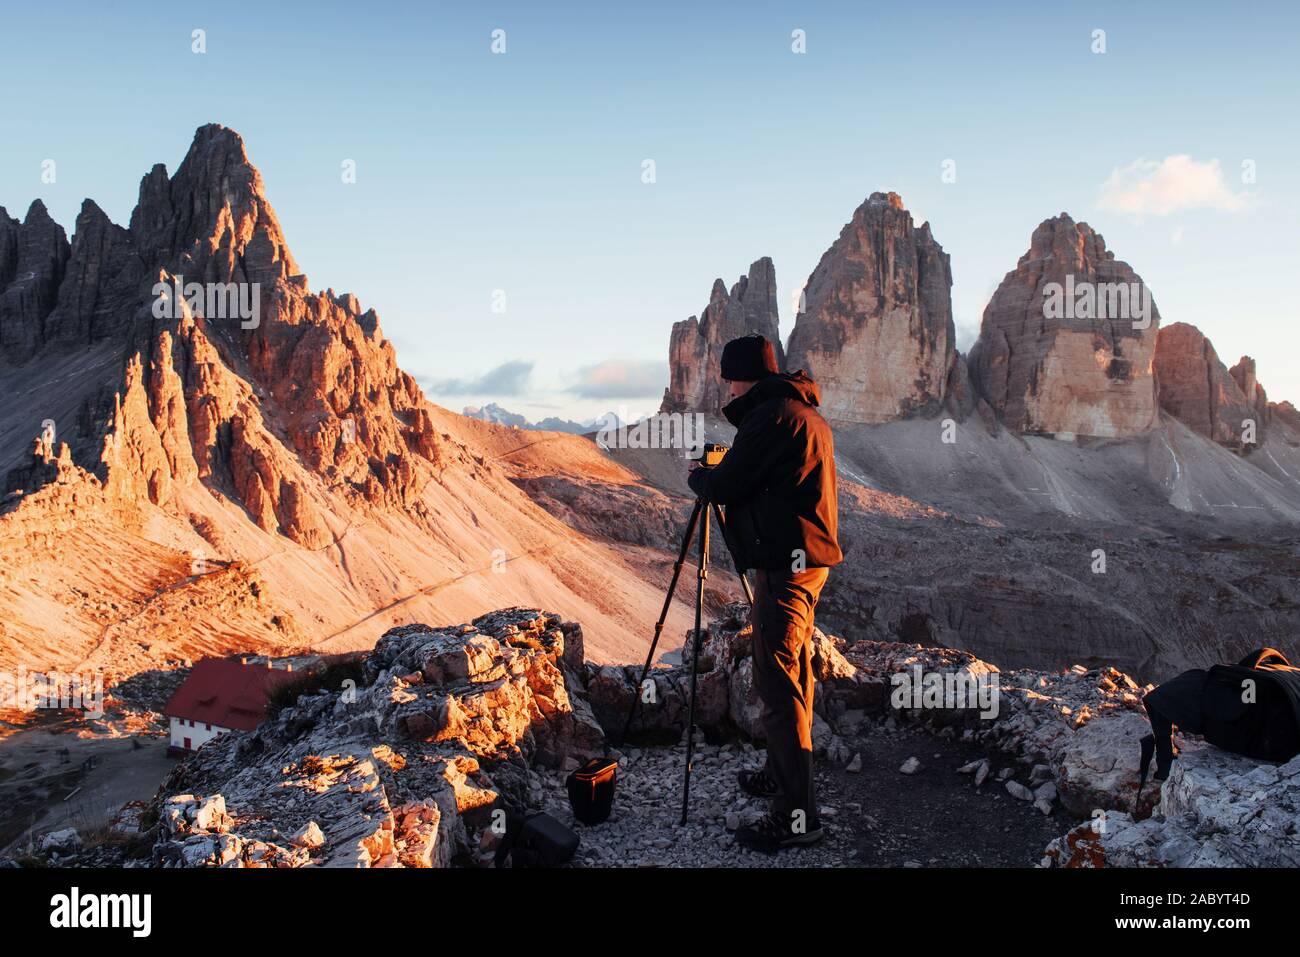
(535, 840)
(1264, 725)
(591, 790)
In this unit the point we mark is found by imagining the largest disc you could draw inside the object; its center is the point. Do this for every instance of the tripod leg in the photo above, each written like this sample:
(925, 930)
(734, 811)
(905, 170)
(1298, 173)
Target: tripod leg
(695, 659)
(744, 582)
(663, 616)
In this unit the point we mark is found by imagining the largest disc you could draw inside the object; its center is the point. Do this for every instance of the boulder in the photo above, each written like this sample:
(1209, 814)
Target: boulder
(60, 842)
(309, 836)
(1097, 767)
(1019, 791)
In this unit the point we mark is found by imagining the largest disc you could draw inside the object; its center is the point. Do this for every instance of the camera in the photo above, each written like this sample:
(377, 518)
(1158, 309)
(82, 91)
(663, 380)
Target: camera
(711, 454)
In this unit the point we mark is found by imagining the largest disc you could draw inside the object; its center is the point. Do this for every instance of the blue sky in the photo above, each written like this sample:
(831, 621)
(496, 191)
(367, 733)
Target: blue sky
(522, 172)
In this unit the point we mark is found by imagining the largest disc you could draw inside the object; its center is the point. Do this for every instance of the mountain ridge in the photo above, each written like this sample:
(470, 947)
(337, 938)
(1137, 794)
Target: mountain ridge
(289, 439)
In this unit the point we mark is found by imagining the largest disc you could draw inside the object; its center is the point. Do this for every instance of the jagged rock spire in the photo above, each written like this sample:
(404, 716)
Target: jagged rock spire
(212, 221)
(33, 256)
(695, 346)
(1197, 388)
(876, 327)
(261, 409)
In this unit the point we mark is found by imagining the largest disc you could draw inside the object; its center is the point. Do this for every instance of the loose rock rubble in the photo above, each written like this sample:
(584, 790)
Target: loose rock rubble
(1078, 728)
(58, 842)
(404, 761)
(1072, 735)
(645, 829)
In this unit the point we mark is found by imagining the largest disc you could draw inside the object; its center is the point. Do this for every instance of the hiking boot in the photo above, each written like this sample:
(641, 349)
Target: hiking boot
(772, 833)
(758, 783)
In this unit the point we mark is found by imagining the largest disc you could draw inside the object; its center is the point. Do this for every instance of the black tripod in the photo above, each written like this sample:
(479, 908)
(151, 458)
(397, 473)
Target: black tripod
(699, 516)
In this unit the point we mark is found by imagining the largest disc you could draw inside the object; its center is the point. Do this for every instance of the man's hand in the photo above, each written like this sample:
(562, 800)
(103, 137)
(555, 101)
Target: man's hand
(696, 477)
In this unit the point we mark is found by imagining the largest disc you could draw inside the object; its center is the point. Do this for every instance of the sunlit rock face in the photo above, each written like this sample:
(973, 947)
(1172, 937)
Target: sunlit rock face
(435, 727)
(1199, 390)
(183, 392)
(875, 328)
(1067, 340)
(695, 347)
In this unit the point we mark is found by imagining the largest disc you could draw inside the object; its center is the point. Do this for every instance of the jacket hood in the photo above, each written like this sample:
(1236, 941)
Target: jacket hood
(789, 385)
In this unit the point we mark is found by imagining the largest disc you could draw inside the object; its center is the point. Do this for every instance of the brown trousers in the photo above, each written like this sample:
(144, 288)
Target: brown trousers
(782, 622)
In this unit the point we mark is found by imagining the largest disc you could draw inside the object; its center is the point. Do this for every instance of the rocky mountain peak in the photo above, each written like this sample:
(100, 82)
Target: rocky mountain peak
(1072, 244)
(1066, 341)
(695, 346)
(33, 256)
(1243, 373)
(212, 221)
(876, 327)
(891, 199)
(240, 387)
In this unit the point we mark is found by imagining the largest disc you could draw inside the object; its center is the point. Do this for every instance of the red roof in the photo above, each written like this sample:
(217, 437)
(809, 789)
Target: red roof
(227, 693)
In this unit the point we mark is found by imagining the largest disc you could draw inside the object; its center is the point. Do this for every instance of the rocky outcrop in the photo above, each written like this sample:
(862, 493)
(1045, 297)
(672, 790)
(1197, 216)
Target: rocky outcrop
(695, 346)
(1287, 412)
(1243, 373)
(394, 765)
(1067, 340)
(404, 755)
(102, 283)
(876, 328)
(1074, 734)
(1197, 388)
(1216, 810)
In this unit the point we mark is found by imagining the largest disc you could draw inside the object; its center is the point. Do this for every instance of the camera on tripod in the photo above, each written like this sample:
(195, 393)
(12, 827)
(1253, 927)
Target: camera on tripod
(711, 454)
(697, 527)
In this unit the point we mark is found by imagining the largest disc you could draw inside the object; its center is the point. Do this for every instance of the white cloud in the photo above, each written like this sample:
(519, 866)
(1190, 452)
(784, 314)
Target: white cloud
(1168, 186)
(508, 379)
(621, 379)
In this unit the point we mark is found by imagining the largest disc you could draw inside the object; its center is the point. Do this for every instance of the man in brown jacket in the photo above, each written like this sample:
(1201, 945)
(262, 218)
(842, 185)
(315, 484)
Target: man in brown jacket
(778, 484)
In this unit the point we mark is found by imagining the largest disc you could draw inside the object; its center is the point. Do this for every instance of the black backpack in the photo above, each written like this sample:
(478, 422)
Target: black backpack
(535, 840)
(1251, 708)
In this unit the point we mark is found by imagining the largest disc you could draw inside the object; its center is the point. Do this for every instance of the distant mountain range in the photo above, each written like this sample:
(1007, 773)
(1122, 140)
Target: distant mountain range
(498, 416)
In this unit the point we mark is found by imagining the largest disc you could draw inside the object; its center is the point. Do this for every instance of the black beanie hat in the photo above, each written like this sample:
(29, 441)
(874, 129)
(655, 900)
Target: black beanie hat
(748, 359)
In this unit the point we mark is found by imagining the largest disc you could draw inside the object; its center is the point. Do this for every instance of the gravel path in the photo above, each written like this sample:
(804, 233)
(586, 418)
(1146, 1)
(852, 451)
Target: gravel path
(876, 817)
